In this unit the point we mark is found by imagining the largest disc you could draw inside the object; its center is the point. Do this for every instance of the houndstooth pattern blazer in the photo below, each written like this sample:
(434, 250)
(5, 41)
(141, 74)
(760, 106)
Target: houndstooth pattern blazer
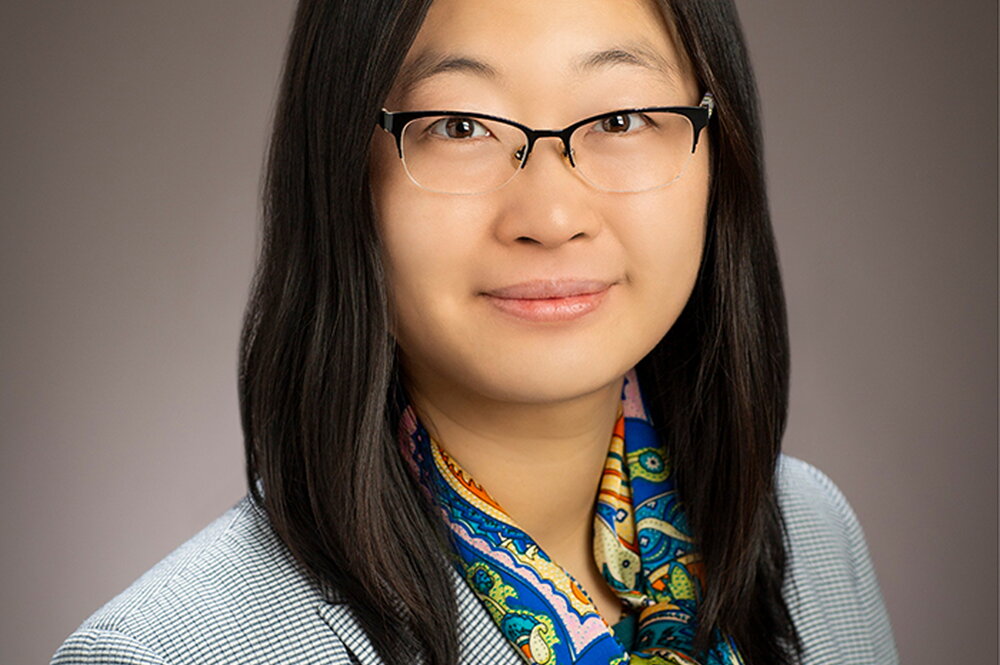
(232, 594)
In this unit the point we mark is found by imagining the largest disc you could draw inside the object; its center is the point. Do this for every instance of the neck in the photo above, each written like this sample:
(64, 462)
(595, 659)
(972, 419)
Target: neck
(541, 462)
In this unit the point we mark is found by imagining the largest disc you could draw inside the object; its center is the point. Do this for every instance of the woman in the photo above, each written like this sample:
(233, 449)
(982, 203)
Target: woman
(514, 394)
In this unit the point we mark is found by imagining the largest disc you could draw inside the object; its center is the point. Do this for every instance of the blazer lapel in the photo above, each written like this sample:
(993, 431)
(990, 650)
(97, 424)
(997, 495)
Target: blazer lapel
(480, 640)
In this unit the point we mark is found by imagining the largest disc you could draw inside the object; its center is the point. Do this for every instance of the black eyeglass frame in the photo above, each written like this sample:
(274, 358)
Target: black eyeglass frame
(394, 122)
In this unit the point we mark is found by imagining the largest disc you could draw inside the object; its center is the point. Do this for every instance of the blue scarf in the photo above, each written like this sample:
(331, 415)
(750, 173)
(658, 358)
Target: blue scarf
(642, 546)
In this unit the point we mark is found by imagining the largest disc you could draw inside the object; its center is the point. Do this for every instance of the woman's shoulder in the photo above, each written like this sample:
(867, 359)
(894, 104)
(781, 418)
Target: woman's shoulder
(232, 591)
(831, 588)
(810, 500)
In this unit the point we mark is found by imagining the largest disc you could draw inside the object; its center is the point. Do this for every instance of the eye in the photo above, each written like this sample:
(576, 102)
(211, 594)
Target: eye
(455, 127)
(621, 123)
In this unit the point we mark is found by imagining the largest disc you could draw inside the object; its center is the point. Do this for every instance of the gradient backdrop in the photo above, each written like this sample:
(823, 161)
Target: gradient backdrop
(131, 142)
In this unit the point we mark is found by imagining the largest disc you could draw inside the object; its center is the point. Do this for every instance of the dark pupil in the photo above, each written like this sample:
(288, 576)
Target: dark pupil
(459, 128)
(616, 123)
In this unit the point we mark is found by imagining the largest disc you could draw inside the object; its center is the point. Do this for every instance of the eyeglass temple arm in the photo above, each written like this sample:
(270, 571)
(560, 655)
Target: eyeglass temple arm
(708, 101)
(384, 120)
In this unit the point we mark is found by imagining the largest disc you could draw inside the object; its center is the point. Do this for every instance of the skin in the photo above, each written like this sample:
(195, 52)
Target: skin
(528, 407)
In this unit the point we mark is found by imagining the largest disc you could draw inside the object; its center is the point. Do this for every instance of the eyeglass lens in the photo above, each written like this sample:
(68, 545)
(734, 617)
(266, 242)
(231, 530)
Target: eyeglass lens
(620, 153)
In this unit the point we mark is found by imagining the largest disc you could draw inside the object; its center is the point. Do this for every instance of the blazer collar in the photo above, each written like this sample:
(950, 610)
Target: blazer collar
(480, 640)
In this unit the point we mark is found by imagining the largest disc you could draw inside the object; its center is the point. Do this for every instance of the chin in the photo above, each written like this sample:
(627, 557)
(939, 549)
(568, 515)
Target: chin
(540, 381)
(528, 369)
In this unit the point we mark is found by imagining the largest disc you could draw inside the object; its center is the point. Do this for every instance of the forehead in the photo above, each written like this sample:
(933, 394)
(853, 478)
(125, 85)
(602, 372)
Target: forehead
(518, 43)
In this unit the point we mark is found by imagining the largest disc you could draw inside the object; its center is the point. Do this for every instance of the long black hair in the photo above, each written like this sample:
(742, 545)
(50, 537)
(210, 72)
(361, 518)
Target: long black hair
(319, 376)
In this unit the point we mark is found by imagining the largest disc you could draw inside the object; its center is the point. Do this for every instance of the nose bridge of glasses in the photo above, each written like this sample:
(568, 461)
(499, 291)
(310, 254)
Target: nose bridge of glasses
(534, 134)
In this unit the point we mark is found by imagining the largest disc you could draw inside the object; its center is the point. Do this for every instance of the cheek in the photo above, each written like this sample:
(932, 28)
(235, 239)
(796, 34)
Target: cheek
(429, 242)
(667, 257)
(665, 246)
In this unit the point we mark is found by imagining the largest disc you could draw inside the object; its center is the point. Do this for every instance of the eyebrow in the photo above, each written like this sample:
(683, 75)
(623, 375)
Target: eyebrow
(635, 53)
(431, 63)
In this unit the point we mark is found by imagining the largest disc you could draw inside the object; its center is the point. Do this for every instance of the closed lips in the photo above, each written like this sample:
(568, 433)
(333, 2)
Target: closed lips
(549, 289)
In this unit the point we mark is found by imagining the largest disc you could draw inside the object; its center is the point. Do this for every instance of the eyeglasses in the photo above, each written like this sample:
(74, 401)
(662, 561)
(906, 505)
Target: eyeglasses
(628, 150)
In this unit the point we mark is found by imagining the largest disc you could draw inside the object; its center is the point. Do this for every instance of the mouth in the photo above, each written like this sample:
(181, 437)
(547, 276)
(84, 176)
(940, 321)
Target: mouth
(542, 289)
(550, 300)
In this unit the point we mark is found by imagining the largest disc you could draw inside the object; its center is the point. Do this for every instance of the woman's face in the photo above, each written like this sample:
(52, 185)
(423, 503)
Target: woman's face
(479, 283)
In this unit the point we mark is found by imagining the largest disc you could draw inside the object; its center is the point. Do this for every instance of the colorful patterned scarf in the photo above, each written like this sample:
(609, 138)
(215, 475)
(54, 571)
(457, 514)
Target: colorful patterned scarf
(641, 545)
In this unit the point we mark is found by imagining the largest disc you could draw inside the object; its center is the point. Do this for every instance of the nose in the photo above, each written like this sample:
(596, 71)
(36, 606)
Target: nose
(547, 204)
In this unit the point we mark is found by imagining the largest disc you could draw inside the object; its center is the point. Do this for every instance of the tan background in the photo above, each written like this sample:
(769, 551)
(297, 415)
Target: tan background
(131, 142)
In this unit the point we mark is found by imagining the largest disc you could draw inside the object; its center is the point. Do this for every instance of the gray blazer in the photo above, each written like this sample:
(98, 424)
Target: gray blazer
(232, 594)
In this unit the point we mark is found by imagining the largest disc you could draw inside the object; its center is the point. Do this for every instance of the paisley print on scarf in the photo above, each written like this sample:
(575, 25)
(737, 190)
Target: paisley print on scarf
(641, 545)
